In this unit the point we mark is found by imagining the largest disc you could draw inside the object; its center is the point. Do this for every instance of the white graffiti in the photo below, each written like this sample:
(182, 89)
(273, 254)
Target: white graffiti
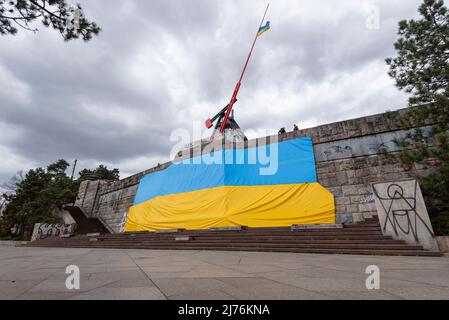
(43, 230)
(368, 198)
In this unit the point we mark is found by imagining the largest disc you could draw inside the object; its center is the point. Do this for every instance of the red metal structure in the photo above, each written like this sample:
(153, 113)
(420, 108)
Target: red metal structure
(225, 112)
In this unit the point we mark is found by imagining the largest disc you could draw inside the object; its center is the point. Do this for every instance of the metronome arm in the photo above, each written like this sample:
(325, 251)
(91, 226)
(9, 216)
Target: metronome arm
(210, 122)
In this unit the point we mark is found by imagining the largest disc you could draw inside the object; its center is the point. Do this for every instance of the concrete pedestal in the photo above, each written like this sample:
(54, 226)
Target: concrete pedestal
(403, 213)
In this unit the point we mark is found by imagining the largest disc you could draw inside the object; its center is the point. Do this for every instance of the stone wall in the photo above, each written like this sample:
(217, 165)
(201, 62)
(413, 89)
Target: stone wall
(88, 195)
(112, 206)
(110, 201)
(348, 159)
(348, 173)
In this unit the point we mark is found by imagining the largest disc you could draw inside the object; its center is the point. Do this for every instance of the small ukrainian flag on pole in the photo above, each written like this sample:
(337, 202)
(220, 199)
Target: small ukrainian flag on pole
(266, 27)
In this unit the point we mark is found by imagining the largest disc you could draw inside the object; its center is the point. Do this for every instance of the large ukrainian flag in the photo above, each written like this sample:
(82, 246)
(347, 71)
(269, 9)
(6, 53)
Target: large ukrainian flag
(201, 196)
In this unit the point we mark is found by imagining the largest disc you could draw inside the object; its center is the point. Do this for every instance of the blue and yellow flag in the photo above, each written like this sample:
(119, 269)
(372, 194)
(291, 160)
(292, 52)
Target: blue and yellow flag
(266, 27)
(199, 194)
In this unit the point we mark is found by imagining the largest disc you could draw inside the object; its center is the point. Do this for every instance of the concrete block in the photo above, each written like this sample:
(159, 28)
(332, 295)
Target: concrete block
(238, 228)
(352, 208)
(341, 177)
(10, 243)
(183, 238)
(342, 200)
(170, 231)
(93, 234)
(357, 217)
(350, 190)
(443, 244)
(340, 208)
(344, 218)
(368, 215)
(336, 191)
(403, 213)
(315, 226)
(368, 207)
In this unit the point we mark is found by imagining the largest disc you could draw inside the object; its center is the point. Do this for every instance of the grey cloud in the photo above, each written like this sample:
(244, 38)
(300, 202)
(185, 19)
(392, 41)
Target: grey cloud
(159, 65)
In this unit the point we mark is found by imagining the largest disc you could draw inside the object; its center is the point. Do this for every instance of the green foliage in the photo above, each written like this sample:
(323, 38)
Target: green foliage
(38, 195)
(100, 173)
(52, 13)
(41, 192)
(422, 69)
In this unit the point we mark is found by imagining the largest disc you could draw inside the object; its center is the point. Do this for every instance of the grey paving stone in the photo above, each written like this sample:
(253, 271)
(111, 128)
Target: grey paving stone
(131, 283)
(11, 293)
(183, 287)
(58, 285)
(146, 293)
(317, 283)
(39, 273)
(46, 295)
(204, 295)
(362, 295)
(255, 289)
(419, 276)
(420, 292)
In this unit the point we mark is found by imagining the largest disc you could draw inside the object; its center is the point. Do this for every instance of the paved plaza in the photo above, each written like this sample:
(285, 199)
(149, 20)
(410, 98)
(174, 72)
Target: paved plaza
(39, 273)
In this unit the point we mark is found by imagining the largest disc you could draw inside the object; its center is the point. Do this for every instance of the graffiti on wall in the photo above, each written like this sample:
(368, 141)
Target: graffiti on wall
(336, 149)
(397, 205)
(121, 226)
(358, 147)
(403, 213)
(44, 230)
(367, 198)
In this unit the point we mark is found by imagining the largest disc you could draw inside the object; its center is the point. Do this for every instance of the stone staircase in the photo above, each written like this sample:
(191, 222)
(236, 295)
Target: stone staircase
(85, 225)
(364, 238)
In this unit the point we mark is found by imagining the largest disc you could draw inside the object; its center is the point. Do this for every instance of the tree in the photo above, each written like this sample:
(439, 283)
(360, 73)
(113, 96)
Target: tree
(37, 196)
(42, 191)
(68, 20)
(421, 68)
(100, 173)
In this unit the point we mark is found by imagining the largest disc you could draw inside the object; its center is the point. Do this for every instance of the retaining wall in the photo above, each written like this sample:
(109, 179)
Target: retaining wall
(348, 159)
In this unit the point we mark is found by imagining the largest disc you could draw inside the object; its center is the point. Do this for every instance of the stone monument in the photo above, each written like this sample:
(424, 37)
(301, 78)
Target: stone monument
(403, 213)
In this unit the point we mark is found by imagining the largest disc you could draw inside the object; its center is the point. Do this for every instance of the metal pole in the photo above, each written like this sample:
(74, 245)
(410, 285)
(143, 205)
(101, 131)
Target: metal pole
(73, 170)
(237, 87)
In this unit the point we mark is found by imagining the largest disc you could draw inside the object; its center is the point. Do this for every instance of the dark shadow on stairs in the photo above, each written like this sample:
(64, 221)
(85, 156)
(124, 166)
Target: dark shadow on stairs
(86, 225)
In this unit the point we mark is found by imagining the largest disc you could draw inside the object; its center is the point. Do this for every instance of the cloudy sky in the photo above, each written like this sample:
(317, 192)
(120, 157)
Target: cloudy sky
(162, 65)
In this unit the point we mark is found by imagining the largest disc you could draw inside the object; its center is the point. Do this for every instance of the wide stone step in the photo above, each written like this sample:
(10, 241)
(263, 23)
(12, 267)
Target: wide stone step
(381, 246)
(328, 244)
(357, 239)
(293, 241)
(388, 244)
(293, 250)
(253, 234)
(363, 225)
(264, 231)
(362, 238)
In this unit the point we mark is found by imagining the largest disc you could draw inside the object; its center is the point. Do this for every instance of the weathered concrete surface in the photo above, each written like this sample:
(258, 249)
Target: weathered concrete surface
(348, 159)
(11, 243)
(39, 273)
(403, 213)
(443, 244)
